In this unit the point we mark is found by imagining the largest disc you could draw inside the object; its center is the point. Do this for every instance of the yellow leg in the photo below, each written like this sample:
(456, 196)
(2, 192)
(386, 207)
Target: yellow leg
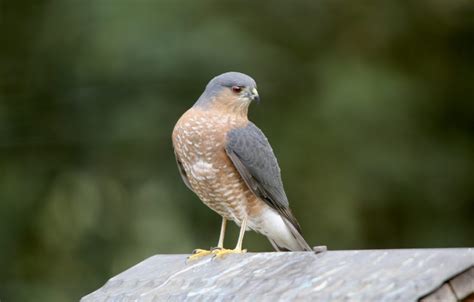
(238, 247)
(199, 253)
(243, 227)
(220, 245)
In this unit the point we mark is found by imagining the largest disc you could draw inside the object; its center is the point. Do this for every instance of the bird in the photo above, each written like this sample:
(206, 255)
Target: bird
(228, 162)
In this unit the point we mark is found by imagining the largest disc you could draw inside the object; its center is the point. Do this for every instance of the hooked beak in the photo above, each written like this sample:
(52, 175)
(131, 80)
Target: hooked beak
(254, 95)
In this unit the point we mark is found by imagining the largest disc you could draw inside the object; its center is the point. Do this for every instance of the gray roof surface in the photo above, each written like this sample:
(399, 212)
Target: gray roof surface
(363, 275)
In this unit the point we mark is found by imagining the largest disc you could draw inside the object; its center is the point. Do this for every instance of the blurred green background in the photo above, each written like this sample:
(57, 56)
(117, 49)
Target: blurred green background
(369, 106)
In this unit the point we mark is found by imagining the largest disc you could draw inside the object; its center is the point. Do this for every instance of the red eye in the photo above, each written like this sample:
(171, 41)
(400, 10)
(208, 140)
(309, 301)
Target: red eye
(236, 89)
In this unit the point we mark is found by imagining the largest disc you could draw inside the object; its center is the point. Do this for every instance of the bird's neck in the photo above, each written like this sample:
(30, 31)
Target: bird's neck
(226, 105)
(236, 110)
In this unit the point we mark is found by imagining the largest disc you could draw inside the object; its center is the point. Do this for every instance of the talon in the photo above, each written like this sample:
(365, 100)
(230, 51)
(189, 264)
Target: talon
(216, 248)
(222, 252)
(198, 253)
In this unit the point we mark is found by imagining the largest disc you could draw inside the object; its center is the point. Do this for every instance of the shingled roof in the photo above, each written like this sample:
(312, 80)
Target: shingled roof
(363, 275)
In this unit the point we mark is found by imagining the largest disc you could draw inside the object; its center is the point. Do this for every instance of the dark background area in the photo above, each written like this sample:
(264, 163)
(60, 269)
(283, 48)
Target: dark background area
(369, 106)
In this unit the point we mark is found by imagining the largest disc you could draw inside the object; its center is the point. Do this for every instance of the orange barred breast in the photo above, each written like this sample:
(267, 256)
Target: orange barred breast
(199, 140)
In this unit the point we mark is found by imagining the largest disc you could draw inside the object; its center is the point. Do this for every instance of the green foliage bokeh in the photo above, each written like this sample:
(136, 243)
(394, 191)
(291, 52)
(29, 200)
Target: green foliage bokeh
(369, 107)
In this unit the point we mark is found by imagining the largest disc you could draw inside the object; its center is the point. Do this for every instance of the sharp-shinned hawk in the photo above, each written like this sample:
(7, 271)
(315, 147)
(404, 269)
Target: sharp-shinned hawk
(228, 163)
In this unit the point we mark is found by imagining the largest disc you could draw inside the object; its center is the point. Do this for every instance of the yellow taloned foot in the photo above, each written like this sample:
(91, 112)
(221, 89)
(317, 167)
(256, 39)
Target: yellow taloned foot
(218, 253)
(198, 253)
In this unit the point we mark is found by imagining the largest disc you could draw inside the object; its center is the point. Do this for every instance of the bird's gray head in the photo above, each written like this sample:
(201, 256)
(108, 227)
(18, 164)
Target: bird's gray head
(231, 89)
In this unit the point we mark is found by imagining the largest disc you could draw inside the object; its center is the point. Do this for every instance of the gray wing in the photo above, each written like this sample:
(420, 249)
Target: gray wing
(182, 172)
(252, 155)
